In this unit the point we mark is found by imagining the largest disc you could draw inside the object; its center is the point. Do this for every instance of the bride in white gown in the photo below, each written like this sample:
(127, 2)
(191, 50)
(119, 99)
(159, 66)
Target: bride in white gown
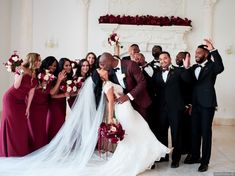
(72, 151)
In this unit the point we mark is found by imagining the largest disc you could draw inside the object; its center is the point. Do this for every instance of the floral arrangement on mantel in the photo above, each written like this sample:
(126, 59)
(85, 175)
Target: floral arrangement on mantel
(145, 20)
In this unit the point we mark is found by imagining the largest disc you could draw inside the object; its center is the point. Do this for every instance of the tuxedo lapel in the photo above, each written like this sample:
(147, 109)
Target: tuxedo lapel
(124, 71)
(170, 74)
(203, 72)
(113, 77)
(159, 76)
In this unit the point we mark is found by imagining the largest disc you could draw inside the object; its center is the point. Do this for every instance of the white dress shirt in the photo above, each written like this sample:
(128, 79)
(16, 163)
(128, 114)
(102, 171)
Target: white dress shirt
(165, 73)
(198, 69)
(148, 69)
(120, 76)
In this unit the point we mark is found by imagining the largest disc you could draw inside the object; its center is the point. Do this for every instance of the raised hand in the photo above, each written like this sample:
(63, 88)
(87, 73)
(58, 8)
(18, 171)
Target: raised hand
(62, 75)
(209, 44)
(186, 61)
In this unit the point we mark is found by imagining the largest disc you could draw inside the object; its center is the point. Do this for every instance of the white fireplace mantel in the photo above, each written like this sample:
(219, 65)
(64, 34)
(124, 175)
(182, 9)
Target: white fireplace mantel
(171, 38)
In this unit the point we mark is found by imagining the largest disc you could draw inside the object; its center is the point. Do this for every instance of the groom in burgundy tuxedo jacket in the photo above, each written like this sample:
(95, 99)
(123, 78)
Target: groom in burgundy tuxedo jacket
(128, 74)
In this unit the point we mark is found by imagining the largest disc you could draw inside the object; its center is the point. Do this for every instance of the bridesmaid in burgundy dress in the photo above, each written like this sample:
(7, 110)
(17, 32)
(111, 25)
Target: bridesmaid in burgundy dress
(57, 108)
(40, 105)
(83, 71)
(14, 133)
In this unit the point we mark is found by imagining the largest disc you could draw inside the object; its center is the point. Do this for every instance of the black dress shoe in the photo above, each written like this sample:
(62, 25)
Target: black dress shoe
(203, 168)
(190, 160)
(153, 166)
(174, 164)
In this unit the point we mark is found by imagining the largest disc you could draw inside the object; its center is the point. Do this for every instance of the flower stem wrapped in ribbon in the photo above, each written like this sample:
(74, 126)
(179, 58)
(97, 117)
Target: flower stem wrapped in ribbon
(14, 64)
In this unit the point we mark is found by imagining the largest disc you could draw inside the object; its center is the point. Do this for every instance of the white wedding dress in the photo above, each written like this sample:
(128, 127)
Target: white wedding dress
(72, 151)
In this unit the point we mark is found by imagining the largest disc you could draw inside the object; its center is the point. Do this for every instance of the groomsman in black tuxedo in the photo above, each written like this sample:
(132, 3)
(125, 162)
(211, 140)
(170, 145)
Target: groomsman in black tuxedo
(186, 117)
(156, 51)
(204, 102)
(169, 103)
(134, 48)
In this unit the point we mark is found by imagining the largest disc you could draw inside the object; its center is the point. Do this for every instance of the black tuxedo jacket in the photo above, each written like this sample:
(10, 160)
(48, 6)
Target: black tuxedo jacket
(187, 89)
(203, 88)
(169, 95)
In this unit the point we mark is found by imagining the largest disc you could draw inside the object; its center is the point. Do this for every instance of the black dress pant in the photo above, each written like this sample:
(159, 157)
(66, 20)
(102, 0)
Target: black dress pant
(186, 133)
(165, 119)
(202, 132)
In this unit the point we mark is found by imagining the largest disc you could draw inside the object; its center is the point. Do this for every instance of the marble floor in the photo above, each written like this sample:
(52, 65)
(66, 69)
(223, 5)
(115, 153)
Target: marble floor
(222, 161)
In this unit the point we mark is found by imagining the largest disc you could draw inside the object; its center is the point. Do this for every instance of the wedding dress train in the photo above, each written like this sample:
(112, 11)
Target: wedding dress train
(72, 151)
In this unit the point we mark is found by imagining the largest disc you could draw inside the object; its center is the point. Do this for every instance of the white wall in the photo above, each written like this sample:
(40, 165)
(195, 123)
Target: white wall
(224, 36)
(58, 21)
(61, 21)
(5, 26)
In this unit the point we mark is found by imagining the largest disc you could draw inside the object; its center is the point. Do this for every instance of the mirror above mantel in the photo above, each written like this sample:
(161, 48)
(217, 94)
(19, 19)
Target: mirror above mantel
(171, 38)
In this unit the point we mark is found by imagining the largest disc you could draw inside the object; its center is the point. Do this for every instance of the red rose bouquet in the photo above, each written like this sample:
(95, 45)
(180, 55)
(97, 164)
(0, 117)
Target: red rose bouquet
(112, 132)
(113, 39)
(109, 134)
(69, 86)
(145, 20)
(13, 64)
(44, 78)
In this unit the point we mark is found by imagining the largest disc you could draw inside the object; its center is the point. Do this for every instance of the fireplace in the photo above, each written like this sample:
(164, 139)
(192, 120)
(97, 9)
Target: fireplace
(171, 38)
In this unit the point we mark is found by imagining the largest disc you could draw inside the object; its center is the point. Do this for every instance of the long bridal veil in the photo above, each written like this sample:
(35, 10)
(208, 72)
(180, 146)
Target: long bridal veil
(73, 146)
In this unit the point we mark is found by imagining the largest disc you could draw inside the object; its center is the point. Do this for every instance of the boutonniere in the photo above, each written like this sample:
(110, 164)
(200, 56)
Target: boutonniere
(171, 67)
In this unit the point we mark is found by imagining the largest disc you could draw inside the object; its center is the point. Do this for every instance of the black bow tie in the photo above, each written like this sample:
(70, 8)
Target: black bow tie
(116, 69)
(165, 69)
(198, 65)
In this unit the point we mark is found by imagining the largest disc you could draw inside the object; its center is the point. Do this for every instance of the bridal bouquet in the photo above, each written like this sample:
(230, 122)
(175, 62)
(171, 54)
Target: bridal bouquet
(69, 86)
(114, 39)
(13, 64)
(111, 132)
(44, 78)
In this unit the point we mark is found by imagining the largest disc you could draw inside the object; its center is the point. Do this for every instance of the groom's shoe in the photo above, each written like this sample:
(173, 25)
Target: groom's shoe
(190, 160)
(175, 164)
(203, 168)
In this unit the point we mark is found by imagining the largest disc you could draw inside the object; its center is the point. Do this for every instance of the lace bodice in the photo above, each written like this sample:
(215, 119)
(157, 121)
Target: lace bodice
(118, 90)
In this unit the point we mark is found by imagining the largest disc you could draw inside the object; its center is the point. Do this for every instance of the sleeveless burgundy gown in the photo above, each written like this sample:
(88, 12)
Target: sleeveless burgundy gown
(14, 132)
(38, 117)
(56, 116)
